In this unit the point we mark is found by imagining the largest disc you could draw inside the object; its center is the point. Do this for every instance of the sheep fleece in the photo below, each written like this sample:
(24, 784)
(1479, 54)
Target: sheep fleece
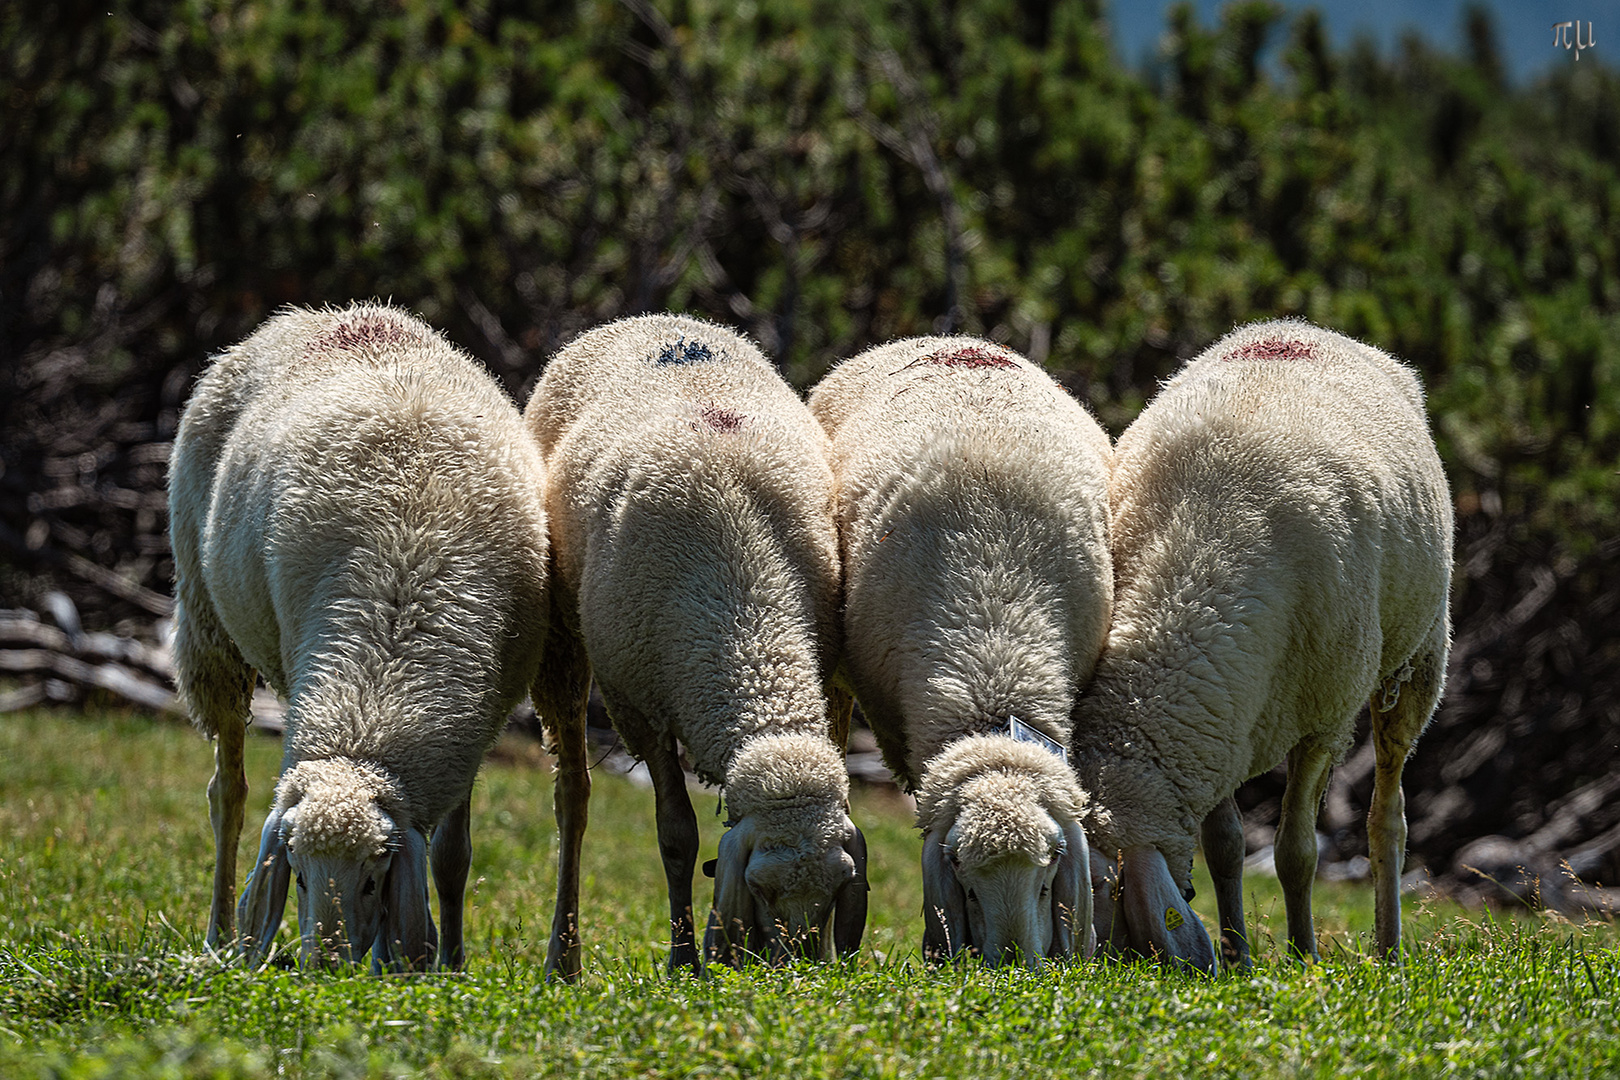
(1282, 544)
(973, 512)
(372, 539)
(680, 434)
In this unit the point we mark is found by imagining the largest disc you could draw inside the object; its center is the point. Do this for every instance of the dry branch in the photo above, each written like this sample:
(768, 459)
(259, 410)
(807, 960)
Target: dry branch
(31, 633)
(109, 676)
(62, 663)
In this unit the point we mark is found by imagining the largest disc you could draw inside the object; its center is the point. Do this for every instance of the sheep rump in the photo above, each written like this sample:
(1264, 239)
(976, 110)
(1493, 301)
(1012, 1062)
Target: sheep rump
(1282, 543)
(972, 512)
(698, 579)
(356, 516)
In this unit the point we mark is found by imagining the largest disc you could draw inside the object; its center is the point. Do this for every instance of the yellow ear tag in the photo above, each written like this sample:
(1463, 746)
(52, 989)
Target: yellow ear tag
(1172, 918)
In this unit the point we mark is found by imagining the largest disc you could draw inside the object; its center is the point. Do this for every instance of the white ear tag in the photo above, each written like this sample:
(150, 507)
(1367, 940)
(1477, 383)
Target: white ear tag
(1026, 733)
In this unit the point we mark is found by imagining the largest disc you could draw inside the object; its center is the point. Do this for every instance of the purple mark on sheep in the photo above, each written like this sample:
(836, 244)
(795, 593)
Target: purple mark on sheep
(363, 333)
(1273, 349)
(971, 357)
(720, 419)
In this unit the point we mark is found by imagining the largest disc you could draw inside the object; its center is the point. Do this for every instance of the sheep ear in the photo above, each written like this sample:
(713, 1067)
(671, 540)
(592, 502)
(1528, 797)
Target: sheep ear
(849, 906)
(1071, 897)
(1158, 919)
(409, 938)
(945, 923)
(1107, 917)
(733, 915)
(264, 897)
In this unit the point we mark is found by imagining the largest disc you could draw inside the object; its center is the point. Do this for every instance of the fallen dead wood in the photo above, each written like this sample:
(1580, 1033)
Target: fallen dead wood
(29, 632)
(62, 663)
(23, 697)
(108, 581)
(109, 676)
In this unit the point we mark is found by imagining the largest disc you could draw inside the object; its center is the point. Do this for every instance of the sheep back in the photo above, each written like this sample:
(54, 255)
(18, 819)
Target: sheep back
(691, 509)
(1282, 538)
(366, 512)
(973, 517)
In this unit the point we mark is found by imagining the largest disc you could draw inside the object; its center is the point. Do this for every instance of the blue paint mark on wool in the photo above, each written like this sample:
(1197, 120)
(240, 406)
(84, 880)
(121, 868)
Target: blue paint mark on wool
(681, 351)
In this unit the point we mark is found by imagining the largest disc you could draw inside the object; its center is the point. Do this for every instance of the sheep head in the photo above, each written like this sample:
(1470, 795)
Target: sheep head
(340, 830)
(790, 879)
(1141, 863)
(1004, 856)
(1141, 909)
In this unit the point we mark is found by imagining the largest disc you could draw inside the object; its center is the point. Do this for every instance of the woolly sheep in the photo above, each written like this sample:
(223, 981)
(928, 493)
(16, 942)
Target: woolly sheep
(1282, 546)
(356, 515)
(972, 508)
(698, 580)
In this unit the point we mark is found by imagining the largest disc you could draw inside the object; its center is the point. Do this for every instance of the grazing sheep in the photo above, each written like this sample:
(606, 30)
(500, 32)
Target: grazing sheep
(697, 579)
(973, 512)
(1282, 550)
(356, 515)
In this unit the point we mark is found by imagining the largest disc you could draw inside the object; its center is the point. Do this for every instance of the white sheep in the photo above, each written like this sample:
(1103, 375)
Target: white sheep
(973, 514)
(697, 578)
(1282, 549)
(356, 515)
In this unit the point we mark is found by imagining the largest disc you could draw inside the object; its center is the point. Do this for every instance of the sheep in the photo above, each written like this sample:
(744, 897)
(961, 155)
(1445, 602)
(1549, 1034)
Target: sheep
(697, 579)
(973, 516)
(356, 515)
(1282, 539)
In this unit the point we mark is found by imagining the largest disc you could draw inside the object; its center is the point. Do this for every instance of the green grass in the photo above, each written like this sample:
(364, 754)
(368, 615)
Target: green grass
(104, 864)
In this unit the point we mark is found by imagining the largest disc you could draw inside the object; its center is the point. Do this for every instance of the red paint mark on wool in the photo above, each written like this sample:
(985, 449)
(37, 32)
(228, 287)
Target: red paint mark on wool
(721, 419)
(365, 332)
(1273, 349)
(971, 357)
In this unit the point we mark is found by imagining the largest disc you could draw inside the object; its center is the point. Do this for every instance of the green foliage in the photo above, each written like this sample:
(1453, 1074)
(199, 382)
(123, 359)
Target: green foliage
(830, 175)
(102, 903)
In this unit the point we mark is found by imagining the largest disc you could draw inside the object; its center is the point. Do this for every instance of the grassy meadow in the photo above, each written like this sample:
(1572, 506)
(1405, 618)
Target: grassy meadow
(104, 866)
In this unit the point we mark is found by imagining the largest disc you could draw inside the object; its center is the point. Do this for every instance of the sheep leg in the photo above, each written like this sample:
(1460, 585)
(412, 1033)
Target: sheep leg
(1222, 836)
(452, 858)
(1395, 731)
(217, 686)
(573, 797)
(840, 714)
(1309, 765)
(678, 844)
(1386, 846)
(561, 696)
(227, 794)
